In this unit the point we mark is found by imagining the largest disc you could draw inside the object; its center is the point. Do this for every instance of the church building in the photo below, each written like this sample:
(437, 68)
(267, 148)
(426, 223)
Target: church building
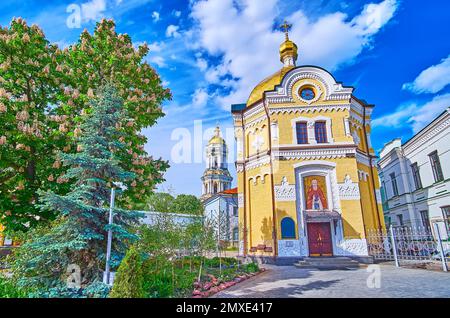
(306, 170)
(216, 177)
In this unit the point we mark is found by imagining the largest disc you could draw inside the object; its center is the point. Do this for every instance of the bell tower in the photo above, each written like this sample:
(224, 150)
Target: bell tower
(216, 177)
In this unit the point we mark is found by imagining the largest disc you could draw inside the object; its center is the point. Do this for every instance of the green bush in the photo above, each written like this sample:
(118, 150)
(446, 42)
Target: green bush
(129, 280)
(251, 267)
(8, 289)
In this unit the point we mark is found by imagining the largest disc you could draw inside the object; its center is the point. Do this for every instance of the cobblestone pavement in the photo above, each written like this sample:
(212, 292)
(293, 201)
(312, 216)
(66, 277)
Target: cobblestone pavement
(289, 281)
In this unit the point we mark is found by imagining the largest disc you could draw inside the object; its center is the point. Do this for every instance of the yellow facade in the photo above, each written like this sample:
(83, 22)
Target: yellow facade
(273, 166)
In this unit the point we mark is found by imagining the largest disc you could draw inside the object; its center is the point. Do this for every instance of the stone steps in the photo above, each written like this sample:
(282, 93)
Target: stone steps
(327, 263)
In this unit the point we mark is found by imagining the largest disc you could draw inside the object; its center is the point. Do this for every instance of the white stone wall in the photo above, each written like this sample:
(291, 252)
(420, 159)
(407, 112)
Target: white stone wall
(433, 195)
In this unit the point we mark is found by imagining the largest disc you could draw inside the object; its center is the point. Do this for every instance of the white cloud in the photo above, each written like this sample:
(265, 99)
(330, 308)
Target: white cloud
(423, 114)
(431, 80)
(172, 30)
(200, 98)
(201, 63)
(176, 13)
(93, 10)
(155, 16)
(158, 60)
(155, 47)
(242, 34)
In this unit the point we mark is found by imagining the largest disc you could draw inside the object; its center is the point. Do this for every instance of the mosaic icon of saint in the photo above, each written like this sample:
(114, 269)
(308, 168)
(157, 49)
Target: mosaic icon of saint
(315, 199)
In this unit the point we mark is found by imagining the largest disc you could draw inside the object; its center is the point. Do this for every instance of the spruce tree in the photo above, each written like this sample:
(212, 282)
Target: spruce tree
(79, 235)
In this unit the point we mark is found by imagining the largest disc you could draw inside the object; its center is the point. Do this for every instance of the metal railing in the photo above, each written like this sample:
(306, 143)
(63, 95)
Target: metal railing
(408, 245)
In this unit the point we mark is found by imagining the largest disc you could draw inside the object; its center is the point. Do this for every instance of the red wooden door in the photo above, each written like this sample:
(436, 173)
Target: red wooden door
(319, 239)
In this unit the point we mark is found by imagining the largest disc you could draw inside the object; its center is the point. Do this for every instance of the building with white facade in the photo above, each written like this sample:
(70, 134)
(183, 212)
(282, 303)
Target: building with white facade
(415, 178)
(221, 211)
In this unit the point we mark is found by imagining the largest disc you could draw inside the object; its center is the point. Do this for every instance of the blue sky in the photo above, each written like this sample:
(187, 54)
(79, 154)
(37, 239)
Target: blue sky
(211, 53)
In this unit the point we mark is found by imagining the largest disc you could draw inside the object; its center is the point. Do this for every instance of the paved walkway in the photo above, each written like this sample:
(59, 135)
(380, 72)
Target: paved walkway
(289, 281)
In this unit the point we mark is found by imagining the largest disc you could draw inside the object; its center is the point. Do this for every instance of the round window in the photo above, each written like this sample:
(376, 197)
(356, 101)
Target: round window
(307, 93)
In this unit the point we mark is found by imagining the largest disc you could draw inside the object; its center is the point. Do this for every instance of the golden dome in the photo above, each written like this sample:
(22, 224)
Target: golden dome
(216, 139)
(267, 84)
(288, 56)
(288, 49)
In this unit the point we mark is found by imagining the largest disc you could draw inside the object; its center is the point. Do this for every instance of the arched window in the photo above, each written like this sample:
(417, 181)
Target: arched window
(215, 187)
(287, 228)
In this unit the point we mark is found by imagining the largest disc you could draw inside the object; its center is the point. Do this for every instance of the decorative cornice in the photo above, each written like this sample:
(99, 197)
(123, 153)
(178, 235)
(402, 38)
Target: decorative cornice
(257, 162)
(423, 137)
(253, 110)
(314, 153)
(308, 109)
(255, 121)
(333, 90)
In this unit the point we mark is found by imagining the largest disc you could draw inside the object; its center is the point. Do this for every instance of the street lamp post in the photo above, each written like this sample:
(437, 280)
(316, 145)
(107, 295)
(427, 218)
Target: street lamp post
(108, 246)
(110, 223)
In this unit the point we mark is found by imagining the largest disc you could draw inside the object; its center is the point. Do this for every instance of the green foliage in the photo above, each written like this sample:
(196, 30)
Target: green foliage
(188, 204)
(8, 289)
(160, 202)
(251, 267)
(44, 100)
(165, 202)
(78, 235)
(129, 280)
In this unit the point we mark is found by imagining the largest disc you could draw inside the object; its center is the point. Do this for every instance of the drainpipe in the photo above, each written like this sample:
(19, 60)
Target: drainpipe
(274, 216)
(371, 168)
(245, 184)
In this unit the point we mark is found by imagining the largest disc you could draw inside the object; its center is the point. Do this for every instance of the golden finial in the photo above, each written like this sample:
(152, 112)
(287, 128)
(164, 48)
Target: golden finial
(285, 26)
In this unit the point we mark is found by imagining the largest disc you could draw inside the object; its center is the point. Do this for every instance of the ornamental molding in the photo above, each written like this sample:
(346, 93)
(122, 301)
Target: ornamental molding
(348, 190)
(255, 122)
(362, 175)
(333, 90)
(424, 138)
(257, 162)
(249, 112)
(308, 109)
(284, 191)
(323, 153)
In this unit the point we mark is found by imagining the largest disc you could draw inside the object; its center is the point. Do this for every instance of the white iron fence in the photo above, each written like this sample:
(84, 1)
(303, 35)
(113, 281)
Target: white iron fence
(408, 245)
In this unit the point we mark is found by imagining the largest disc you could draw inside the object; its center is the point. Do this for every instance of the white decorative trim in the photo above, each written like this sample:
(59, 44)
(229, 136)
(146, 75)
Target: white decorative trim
(308, 109)
(258, 162)
(429, 132)
(362, 175)
(255, 121)
(249, 112)
(348, 190)
(333, 90)
(323, 153)
(255, 178)
(285, 191)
